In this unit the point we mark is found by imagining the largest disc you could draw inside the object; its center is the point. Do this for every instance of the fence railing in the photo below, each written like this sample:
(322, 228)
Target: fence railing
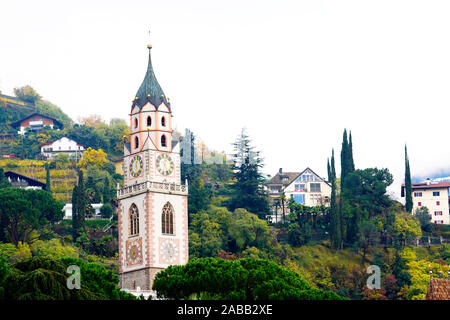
(164, 187)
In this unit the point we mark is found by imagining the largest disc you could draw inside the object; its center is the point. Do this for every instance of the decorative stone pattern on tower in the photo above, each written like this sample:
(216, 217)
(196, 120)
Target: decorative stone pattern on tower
(152, 210)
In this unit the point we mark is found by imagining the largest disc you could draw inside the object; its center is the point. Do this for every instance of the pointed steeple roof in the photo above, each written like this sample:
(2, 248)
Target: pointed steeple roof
(150, 90)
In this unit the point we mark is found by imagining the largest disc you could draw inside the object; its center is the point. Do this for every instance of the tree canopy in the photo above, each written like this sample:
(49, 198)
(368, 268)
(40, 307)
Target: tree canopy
(242, 279)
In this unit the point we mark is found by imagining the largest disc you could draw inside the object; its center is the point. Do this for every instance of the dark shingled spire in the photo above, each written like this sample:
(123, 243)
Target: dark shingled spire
(150, 90)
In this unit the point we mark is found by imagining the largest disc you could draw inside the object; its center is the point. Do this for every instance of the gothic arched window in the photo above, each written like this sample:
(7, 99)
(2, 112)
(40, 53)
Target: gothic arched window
(163, 121)
(163, 141)
(167, 219)
(135, 122)
(134, 220)
(136, 142)
(149, 121)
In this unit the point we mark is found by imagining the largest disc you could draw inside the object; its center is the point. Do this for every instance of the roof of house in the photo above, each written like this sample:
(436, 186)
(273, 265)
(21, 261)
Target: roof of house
(426, 185)
(276, 179)
(150, 90)
(438, 289)
(18, 122)
(51, 142)
(31, 181)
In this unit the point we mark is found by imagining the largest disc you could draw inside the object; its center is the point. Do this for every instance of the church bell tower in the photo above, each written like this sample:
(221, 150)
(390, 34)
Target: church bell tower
(152, 212)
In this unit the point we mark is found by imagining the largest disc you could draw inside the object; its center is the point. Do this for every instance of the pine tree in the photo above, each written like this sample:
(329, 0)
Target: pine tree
(408, 185)
(247, 190)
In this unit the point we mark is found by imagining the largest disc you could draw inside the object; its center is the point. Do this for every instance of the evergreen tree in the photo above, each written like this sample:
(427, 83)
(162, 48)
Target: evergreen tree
(106, 191)
(335, 223)
(350, 151)
(408, 184)
(4, 182)
(75, 220)
(247, 191)
(344, 158)
(47, 180)
(328, 170)
(79, 207)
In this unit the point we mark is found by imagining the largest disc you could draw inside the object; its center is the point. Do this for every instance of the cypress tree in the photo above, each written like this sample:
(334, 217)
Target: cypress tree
(350, 153)
(75, 223)
(47, 179)
(328, 170)
(82, 201)
(344, 158)
(408, 185)
(106, 192)
(335, 224)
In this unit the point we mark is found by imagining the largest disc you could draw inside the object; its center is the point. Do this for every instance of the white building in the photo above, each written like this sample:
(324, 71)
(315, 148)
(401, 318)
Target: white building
(68, 210)
(434, 196)
(306, 188)
(65, 145)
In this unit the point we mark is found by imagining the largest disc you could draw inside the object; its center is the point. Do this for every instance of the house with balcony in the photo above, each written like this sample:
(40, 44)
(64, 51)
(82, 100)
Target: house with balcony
(35, 122)
(306, 188)
(73, 149)
(433, 195)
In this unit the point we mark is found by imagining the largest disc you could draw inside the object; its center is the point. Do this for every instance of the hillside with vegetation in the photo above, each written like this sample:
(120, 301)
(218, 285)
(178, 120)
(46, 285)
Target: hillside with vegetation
(315, 253)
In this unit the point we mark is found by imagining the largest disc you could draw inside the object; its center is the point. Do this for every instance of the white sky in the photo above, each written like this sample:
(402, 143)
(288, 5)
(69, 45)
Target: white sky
(295, 73)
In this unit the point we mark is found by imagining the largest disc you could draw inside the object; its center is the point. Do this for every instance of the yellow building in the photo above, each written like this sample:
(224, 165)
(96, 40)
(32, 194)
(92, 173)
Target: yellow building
(434, 196)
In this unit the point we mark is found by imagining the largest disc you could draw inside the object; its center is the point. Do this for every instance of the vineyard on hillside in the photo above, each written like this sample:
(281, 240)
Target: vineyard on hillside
(62, 179)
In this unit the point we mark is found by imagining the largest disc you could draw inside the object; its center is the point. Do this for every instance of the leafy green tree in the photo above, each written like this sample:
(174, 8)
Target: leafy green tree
(205, 235)
(99, 280)
(424, 216)
(199, 196)
(41, 278)
(106, 210)
(246, 229)
(408, 185)
(406, 227)
(242, 279)
(23, 211)
(4, 183)
(27, 94)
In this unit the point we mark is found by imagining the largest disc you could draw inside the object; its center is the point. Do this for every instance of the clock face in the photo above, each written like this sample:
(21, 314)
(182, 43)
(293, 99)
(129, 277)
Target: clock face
(164, 164)
(134, 252)
(169, 251)
(136, 166)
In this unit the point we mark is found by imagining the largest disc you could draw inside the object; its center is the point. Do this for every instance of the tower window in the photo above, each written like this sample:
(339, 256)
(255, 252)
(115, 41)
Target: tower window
(163, 121)
(136, 142)
(167, 219)
(163, 141)
(149, 121)
(136, 122)
(134, 220)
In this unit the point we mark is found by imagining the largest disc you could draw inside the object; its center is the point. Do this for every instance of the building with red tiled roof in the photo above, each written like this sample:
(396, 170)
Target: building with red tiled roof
(438, 289)
(433, 195)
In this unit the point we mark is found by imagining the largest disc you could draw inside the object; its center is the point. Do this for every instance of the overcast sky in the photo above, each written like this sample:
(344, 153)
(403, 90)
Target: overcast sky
(294, 73)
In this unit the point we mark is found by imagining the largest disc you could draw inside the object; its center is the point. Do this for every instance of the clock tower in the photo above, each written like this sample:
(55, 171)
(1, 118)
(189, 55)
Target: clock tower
(152, 212)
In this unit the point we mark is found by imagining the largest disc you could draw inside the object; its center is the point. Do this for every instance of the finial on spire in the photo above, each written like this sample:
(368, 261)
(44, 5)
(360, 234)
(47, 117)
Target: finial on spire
(149, 45)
